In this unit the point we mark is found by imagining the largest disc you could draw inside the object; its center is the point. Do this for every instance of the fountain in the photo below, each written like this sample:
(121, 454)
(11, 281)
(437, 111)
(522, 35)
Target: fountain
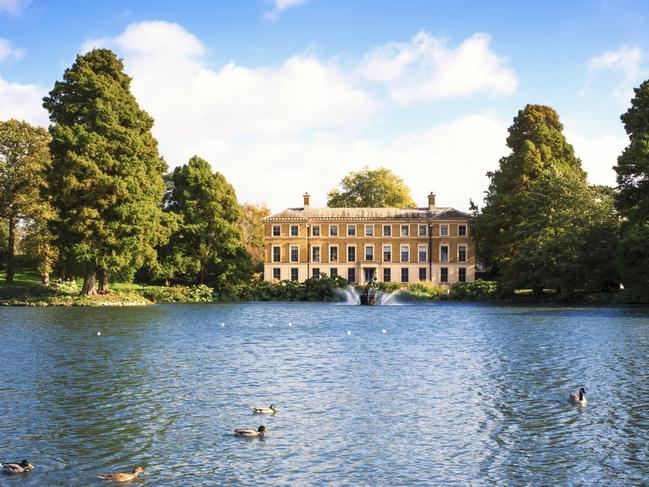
(351, 295)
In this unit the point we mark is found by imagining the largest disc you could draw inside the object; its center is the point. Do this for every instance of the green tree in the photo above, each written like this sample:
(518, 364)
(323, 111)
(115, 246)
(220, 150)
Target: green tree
(633, 195)
(207, 247)
(252, 232)
(106, 178)
(371, 188)
(24, 160)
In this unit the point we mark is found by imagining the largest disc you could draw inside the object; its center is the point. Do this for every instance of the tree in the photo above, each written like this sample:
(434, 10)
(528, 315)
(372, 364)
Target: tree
(24, 160)
(367, 188)
(541, 220)
(252, 232)
(633, 195)
(207, 246)
(106, 178)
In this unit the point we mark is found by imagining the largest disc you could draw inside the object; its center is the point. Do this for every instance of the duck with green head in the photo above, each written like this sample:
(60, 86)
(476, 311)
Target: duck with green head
(250, 432)
(261, 410)
(13, 468)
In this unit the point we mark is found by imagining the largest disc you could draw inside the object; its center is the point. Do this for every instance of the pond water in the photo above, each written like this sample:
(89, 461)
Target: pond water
(391, 395)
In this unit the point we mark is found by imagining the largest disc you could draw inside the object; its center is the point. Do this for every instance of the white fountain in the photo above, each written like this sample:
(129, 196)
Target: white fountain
(351, 295)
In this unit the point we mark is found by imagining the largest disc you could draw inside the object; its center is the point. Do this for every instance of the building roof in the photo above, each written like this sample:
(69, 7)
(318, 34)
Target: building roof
(304, 214)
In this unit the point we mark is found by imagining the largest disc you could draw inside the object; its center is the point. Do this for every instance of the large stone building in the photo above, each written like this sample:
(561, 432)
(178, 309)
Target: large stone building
(429, 244)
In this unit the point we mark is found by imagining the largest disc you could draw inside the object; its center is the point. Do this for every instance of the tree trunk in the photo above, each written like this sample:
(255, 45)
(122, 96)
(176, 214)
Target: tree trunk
(89, 284)
(11, 255)
(45, 279)
(103, 281)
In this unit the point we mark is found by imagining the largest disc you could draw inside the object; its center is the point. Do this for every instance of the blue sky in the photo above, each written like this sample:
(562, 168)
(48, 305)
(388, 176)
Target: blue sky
(284, 96)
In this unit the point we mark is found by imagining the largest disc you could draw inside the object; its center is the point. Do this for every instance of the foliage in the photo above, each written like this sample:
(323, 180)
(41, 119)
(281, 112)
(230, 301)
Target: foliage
(321, 288)
(65, 287)
(106, 178)
(478, 289)
(367, 188)
(179, 294)
(252, 232)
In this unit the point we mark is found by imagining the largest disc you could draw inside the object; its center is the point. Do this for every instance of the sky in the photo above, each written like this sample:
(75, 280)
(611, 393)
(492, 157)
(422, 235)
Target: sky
(288, 96)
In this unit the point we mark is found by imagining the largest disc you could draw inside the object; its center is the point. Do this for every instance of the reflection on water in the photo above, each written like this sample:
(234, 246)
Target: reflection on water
(449, 393)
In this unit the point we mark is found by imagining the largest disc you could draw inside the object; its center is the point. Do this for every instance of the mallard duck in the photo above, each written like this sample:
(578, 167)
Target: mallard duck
(123, 477)
(578, 397)
(250, 432)
(22, 467)
(260, 410)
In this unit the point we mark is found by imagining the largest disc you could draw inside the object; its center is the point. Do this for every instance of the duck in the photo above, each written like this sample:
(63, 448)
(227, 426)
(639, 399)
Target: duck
(578, 398)
(12, 468)
(123, 477)
(261, 410)
(250, 432)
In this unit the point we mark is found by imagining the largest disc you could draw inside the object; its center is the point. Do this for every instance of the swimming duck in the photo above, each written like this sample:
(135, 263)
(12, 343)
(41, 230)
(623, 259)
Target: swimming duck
(578, 398)
(123, 477)
(271, 410)
(250, 432)
(22, 467)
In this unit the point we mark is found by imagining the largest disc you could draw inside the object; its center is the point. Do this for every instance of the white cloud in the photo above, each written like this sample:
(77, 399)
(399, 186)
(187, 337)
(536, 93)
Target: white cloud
(626, 62)
(22, 101)
(8, 52)
(598, 154)
(426, 68)
(13, 7)
(281, 5)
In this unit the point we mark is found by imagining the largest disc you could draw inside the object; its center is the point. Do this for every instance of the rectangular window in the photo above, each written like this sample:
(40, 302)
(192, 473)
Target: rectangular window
(315, 254)
(461, 230)
(333, 230)
(423, 231)
(369, 252)
(315, 272)
(351, 253)
(295, 231)
(423, 253)
(369, 274)
(443, 274)
(387, 253)
(461, 253)
(294, 274)
(443, 253)
(404, 274)
(461, 274)
(422, 273)
(295, 253)
(333, 253)
(387, 230)
(405, 253)
(443, 230)
(277, 253)
(333, 272)
(405, 230)
(369, 230)
(351, 275)
(277, 230)
(277, 274)
(351, 230)
(315, 232)
(387, 275)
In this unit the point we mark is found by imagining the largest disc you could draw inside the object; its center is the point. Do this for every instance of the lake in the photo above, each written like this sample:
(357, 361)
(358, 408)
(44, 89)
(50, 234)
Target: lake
(387, 395)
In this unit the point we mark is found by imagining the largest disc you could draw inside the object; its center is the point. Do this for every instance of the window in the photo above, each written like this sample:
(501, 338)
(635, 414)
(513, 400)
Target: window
(443, 274)
(387, 230)
(295, 231)
(333, 272)
(423, 253)
(404, 274)
(315, 232)
(443, 230)
(315, 272)
(333, 253)
(461, 230)
(277, 274)
(404, 230)
(405, 253)
(277, 230)
(443, 253)
(351, 275)
(351, 253)
(369, 230)
(387, 275)
(461, 274)
(277, 253)
(351, 230)
(369, 274)
(295, 253)
(294, 274)
(369, 252)
(422, 273)
(333, 230)
(315, 253)
(387, 253)
(423, 231)
(461, 253)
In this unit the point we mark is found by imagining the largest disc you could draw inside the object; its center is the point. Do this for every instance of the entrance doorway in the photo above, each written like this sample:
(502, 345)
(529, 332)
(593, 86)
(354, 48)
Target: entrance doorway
(369, 273)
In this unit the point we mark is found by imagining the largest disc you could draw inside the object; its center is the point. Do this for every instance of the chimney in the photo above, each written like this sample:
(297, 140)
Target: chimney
(431, 201)
(307, 199)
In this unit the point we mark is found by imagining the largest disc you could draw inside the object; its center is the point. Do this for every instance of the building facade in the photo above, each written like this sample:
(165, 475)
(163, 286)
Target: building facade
(403, 245)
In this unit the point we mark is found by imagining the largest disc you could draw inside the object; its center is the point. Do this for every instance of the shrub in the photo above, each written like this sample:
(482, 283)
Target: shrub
(478, 289)
(179, 294)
